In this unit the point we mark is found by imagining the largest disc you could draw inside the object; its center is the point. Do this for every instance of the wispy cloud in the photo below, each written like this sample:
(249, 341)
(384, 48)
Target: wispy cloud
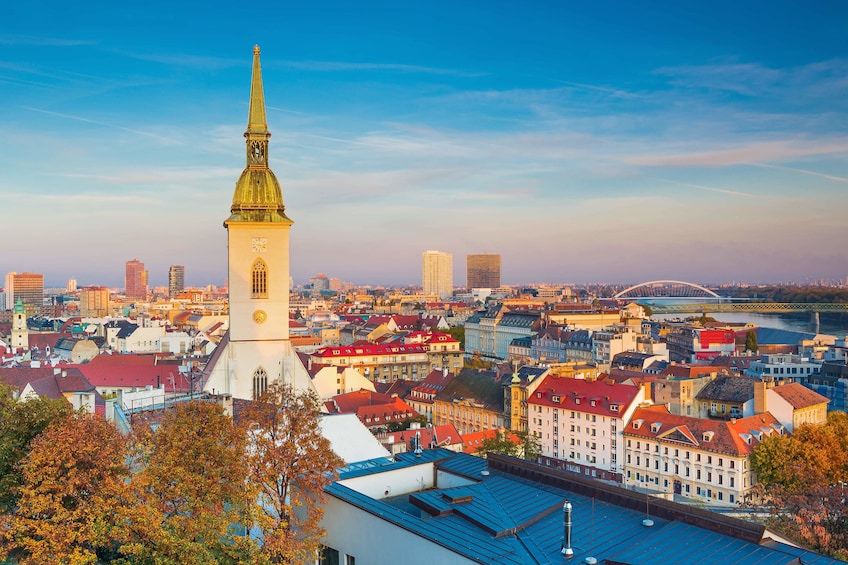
(803, 171)
(398, 67)
(708, 188)
(160, 176)
(6, 39)
(104, 124)
(613, 91)
(184, 60)
(741, 155)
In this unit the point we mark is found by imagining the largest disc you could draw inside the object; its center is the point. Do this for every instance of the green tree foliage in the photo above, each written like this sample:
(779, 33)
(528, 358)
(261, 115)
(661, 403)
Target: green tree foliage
(71, 481)
(193, 501)
(802, 479)
(504, 442)
(20, 423)
(458, 333)
(751, 341)
(289, 463)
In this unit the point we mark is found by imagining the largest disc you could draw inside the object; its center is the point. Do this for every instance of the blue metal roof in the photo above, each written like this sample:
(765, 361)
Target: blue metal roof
(505, 519)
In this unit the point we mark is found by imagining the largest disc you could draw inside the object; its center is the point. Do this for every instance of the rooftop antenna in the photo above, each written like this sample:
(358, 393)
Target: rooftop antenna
(647, 522)
(418, 444)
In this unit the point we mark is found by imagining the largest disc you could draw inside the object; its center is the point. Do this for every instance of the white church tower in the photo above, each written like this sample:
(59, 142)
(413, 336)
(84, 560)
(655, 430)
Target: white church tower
(257, 351)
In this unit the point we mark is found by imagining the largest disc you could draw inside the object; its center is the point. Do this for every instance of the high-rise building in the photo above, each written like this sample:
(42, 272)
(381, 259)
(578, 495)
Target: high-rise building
(319, 282)
(483, 271)
(136, 280)
(176, 280)
(94, 301)
(29, 288)
(437, 273)
(72, 285)
(10, 291)
(258, 351)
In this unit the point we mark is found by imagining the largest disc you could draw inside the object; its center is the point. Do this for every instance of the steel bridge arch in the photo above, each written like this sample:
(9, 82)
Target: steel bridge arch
(652, 283)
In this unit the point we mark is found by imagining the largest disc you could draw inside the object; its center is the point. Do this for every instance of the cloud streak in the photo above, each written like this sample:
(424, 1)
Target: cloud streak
(158, 137)
(6, 39)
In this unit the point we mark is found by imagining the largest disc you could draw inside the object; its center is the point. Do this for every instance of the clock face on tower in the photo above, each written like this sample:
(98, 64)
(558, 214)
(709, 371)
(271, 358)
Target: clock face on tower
(259, 244)
(259, 316)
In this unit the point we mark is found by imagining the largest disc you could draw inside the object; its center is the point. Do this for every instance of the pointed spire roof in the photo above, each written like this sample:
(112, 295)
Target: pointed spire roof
(257, 197)
(19, 306)
(256, 115)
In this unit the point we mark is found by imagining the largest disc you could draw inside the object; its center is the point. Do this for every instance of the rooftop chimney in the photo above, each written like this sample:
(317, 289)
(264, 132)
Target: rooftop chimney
(566, 530)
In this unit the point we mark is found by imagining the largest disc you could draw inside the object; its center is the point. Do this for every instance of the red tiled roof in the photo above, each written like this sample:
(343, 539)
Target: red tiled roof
(736, 437)
(18, 377)
(474, 441)
(593, 397)
(123, 359)
(799, 396)
(444, 435)
(135, 375)
(350, 402)
(368, 349)
(379, 414)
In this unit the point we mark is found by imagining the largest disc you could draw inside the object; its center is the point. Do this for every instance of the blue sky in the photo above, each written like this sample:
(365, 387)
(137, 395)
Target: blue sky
(615, 141)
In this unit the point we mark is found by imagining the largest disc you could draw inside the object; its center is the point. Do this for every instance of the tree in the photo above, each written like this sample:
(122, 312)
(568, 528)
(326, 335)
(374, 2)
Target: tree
(194, 503)
(73, 479)
(289, 463)
(802, 481)
(458, 333)
(502, 442)
(20, 423)
(751, 341)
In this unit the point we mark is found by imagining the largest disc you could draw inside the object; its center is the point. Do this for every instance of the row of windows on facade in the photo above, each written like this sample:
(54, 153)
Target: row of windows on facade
(687, 454)
(699, 491)
(687, 472)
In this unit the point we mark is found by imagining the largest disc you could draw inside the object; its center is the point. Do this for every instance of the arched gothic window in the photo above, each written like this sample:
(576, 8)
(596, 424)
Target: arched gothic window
(259, 280)
(260, 382)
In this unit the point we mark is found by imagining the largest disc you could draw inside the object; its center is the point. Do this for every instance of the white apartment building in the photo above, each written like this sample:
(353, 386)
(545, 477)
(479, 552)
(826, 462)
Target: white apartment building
(786, 366)
(579, 423)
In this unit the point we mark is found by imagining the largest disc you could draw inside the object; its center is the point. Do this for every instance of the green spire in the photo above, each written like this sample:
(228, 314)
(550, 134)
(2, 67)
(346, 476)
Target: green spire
(19, 306)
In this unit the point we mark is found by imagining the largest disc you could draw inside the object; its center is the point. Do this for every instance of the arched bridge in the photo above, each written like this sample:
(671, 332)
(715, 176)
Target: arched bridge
(666, 289)
(774, 307)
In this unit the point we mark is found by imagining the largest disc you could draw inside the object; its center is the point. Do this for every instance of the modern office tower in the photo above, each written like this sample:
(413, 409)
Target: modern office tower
(319, 283)
(437, 273)
(29, 288)
(336, 284)
(10, 291)
(176, 280)
(94, 301)
(136, 280)
(483, 271)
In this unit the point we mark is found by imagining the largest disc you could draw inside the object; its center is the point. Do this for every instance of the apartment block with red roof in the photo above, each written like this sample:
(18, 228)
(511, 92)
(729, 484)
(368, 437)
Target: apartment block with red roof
(699, 458)
(579, 424)
(377, 362)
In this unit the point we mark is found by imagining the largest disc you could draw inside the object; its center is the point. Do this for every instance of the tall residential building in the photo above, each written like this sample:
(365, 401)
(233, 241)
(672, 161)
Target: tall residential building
(258, 351)
(10, 291)
(29, 288)
(136, 280)
(94, 301)
(176, 280)
(72, 285)
(483, 271)
(437, 273)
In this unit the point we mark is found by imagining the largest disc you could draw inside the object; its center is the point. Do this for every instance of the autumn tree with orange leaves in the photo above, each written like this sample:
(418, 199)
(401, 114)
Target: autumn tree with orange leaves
(194, 505)
(803, 479)
(73, 478)
(289, 463)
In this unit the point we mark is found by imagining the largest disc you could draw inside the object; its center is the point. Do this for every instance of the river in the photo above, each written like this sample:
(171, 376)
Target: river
(798, 323)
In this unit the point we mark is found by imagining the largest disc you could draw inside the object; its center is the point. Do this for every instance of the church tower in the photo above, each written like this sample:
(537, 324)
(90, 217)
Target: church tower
(258, 351)
(20, 333)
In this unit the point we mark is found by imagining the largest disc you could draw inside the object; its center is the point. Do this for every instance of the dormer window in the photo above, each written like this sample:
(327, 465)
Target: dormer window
(746, 438)
(708, 436)
(555, 398)
(576, 401)
(655, 427)
(637, 424)
(758, 435)
(613, 407)
(593, 402)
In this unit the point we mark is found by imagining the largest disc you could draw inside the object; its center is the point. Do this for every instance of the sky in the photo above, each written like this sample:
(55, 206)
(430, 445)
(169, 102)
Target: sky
(583, 141)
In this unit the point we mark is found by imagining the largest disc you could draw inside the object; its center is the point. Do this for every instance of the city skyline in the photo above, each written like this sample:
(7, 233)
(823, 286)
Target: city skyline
(612, 143)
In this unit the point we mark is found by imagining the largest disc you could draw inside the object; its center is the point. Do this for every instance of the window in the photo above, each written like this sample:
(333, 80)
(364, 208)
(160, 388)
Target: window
(259, 279)
(260, 382)
(329, 556)
(350, 560)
